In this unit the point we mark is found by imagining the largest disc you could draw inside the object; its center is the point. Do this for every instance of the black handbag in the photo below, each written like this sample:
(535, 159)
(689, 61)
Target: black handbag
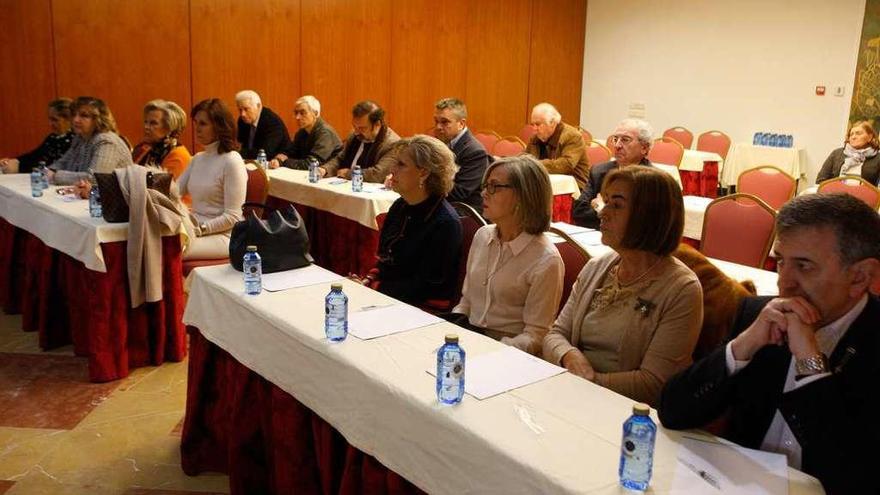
(281, 239)
(114, 207)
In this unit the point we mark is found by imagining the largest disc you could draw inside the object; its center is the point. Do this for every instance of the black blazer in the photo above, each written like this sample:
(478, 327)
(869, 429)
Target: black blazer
(833, 418)
(271, 135)
(472, 160)
(834, 162)
(582, 212)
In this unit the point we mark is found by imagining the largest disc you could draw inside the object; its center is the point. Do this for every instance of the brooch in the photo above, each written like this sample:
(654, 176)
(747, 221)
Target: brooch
(644, 307)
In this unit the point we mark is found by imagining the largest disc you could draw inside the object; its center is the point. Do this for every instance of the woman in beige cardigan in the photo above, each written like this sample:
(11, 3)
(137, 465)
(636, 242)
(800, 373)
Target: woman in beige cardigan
(634, 315)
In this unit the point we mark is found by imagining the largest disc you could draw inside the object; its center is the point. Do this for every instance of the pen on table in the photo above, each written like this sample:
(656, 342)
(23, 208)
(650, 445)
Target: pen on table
(375, 306)
(704, 475)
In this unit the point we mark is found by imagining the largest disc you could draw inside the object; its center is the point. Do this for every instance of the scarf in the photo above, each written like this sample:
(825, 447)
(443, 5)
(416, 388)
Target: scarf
(852, 164)
(153, 155)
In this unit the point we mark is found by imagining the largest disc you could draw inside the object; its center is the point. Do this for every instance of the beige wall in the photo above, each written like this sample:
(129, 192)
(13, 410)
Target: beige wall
(737, 66)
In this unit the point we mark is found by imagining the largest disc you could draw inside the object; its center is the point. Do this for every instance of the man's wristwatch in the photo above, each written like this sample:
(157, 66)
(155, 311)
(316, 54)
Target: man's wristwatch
(812, 365)
(203, 229)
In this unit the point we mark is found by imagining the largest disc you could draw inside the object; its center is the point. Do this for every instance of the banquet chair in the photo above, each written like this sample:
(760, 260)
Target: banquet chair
(574, 257)
(509, 146)
(769, 183)
(597, 153)
(588, 138)
(667, 151)
(680, 134)
(738, 228)
(526, 133)
(854, 186)
(257, 192)
(714, 141)
(487, 139)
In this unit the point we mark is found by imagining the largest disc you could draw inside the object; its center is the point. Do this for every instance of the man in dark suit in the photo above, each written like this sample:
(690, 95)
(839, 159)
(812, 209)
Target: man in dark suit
(630, 143)
(450, 126)
(259, 128)
(799, 376)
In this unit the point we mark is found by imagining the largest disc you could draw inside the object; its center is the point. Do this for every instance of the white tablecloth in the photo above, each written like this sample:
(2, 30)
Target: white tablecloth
(743, 156)
(694, 211)
(294, 186)
(693, 160)
(671, 170)
(64, 226)
(378, 395)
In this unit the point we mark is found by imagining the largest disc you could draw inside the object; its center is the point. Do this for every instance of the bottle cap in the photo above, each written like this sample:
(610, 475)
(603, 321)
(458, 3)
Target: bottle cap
(252, 249)
(640, 409)
(336, 286)
(451, 338)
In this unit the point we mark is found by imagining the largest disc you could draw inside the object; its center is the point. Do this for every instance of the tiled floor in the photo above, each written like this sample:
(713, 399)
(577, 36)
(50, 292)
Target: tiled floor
(60, 434)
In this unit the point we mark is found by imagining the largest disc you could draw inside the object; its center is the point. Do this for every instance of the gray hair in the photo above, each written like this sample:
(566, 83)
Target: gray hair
(534, 194)
(855, 224)
(173, 117)
(548, 112)
(643, 129)
(310, 102)
(457, 106)
(429, 153)
(248, 96)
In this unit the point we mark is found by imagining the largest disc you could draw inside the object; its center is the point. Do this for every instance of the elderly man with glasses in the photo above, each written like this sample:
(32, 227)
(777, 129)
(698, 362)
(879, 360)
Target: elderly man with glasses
(630, 143)
(558, 146)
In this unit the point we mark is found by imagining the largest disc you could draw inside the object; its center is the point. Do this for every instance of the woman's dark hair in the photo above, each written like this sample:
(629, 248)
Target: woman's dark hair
(224, 124)
(369, 108)
(62, 107)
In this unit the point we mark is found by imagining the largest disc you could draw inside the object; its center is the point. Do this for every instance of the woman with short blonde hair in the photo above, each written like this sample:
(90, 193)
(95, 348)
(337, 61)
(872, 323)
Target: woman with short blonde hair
(164, 122)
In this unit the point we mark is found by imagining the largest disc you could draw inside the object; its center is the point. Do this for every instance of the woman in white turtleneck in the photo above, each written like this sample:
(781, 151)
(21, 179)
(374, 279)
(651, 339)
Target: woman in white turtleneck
(859, 156)
(216, 180)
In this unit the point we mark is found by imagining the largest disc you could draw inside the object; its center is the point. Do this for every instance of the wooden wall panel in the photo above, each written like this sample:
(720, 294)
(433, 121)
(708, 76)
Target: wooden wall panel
(428, 60)
(247, 45)
(28, 80)
(124, 53)
(346, 56)
(557, 56)
(498, 64)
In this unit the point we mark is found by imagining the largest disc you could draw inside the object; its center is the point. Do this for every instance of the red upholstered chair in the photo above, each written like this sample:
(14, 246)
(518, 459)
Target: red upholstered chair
(738, 228)
(574, 257)
(598, 153)
(680, 134)
(257, 192)
(769, 183)
(487, 139)
(588, 138)
(667, 151)
(714, 141)
(509, 146)
(854, 186)
(526, 133)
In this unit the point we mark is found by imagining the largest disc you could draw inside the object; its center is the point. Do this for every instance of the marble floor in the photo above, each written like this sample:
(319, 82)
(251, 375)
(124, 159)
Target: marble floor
(61, 434)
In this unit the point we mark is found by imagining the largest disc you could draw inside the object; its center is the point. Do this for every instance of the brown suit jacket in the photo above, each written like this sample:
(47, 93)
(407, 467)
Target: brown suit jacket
(384, 159)
(565, 153)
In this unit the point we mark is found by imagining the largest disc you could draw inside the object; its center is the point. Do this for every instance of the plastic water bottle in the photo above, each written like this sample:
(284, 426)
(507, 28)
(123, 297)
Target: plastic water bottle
(789, 141)
(756, 141)
(357, 178)
(450, 371)
(336, 314)
(313, 169)
(262, 161)
(36, 183)
(253, 272)
(95, 202)
(44, 173)
(765, 139)
(637, 449)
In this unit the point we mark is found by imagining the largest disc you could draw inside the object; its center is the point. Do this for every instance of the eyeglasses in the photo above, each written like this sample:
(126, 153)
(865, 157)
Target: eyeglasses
(624, 140)
(492, 187)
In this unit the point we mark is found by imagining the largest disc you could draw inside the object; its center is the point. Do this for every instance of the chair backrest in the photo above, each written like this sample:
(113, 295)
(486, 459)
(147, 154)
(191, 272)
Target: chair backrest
(738, 228)
(509, 146)
(769, 183)
(380, 219)
(487, 139)
(667, 151)
(598, 153)
(714, 141)
(854, 186)
(257, 186)
(471, 222)
(526, 133)
(588, 137)
(574, 257)
(680, 134)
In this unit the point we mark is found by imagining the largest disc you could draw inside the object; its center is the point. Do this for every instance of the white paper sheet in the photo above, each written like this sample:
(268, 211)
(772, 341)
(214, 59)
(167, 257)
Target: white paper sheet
(488, 375)
(588, 238)
(569, 228)
(301, 277)
(733, 469)
(386, 320)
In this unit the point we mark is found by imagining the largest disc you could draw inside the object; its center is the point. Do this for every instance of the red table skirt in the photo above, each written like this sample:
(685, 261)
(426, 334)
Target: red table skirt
(703, 183)
(240, 424)
(67, 303)
(562, 208)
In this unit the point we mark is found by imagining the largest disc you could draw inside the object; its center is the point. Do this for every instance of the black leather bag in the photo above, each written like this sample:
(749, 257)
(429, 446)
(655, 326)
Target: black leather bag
(281, 239)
